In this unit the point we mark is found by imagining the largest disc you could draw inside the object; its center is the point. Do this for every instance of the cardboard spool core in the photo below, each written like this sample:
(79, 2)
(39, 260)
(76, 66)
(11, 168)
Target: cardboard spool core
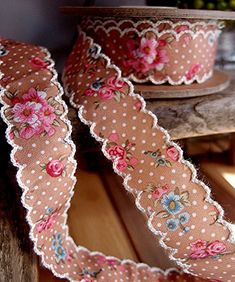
(218, 82)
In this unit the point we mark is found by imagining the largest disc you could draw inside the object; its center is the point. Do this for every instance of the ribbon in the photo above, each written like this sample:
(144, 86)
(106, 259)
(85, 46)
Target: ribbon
(178, 206)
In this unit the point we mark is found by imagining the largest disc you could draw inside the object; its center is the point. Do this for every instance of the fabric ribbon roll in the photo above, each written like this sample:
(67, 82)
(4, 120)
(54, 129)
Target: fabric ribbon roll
(180, 212)
(158, 51)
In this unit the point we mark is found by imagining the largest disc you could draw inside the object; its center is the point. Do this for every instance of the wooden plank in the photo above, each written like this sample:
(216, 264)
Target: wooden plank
(218, 82)
(199, 116)
(18, 263)
(147, 12)
(222, 178)
(93, 221)
(147, 247)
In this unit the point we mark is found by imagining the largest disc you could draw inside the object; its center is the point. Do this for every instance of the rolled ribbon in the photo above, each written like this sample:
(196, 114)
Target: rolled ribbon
(176, 203)
(158, 51)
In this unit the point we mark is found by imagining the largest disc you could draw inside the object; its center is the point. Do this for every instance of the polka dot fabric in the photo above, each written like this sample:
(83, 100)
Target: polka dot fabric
(39, 131)
(178, 206)
(158, 51)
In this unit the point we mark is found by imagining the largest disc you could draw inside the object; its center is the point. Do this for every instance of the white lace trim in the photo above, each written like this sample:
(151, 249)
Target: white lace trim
(194, 179)
(71, 158)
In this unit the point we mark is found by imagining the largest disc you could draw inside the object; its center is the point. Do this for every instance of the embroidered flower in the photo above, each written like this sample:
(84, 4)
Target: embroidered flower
(113, 137)
(172, 153)
(38, 63)
(47, 221)
(198, 245)
(33, 114)
(26, 112)
(56, 240)
(159, 159)
(47, 115)
(35, 96)
(194, 69)
(198, 254)
(172, 224)
(171, 203)
(184, 217)
(60, 253)
(216, 247)
(117, 151)
(55, 168)
(123, 154)
(115, 83)
(106, 93)
(146, 56)
(96, 85)
(89, 92)
(121, 165)
(158, 192)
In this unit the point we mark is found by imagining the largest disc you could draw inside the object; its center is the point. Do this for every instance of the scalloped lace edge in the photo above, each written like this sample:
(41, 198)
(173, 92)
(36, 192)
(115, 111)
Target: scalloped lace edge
(71, 158)
(194, 179)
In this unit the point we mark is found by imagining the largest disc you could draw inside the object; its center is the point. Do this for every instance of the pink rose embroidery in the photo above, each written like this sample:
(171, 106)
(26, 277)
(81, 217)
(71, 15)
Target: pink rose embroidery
(34, 113)
(121, 165)
(55, 168)
(106, 93)
(38, 63)
(159, 192)
(216, 247)
(117, 151)
(193, 71)
(138, 105)
(89, 92)
(198, 245)
(172, 153)
(47, 223)
(69, 256)
(198, 254)
(146, 55)
(115, 83)
(113, 137)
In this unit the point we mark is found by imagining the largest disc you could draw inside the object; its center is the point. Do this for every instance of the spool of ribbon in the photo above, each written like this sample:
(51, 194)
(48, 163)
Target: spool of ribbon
(158, 51)
(178, 205)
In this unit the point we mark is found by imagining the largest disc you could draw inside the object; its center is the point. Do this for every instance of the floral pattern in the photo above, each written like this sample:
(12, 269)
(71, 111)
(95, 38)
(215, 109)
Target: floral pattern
(87, 275)
(193, 71)
(55, 168)
(106, 90)
(173, 204)
(201, 249)
(157, 191)
(48, 220)
(146, 54)
(61, 254)
(33, 114)
(123, 154)
(38, 63)
(159, 159)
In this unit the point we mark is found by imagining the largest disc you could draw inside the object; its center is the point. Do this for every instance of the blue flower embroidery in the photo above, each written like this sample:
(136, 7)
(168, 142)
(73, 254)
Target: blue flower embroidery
(96, 85)
(171, 203)
(60, 253)
(184, 217)
(172, 224)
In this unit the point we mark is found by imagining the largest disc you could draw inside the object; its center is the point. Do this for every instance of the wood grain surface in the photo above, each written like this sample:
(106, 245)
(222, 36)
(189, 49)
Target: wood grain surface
(147, 12)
